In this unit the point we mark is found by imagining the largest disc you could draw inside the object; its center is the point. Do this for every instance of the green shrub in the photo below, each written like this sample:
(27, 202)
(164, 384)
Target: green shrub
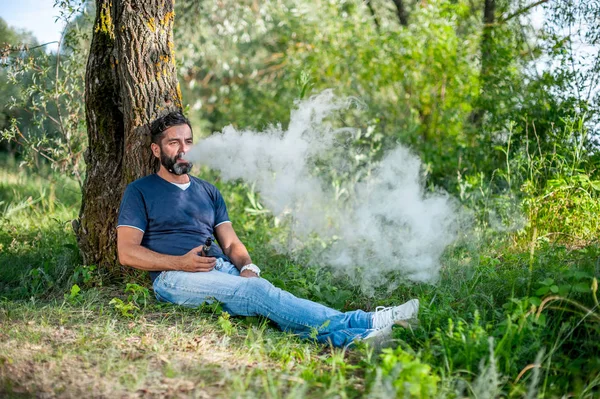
(409, 376)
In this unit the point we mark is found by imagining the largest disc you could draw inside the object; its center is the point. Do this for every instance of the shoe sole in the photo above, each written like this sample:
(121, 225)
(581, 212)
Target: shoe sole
(409, 324)
(380, 341)
(413, 321)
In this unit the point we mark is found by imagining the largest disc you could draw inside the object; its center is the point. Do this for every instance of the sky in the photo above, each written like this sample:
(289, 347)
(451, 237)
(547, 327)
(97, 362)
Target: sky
(37, 16)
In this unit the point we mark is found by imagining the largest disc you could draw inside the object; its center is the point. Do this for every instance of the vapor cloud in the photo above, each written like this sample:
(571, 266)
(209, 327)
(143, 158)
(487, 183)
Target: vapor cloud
(390, 223)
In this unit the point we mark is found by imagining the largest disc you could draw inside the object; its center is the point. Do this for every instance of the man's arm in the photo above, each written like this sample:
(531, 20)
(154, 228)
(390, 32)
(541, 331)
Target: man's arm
(233, 248)
(131, 253)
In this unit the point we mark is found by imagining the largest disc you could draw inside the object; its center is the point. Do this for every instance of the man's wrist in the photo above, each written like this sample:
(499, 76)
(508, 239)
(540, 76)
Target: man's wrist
(252, 267)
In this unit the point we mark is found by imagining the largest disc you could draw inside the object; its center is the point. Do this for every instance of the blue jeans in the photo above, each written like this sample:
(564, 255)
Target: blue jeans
(242, 296)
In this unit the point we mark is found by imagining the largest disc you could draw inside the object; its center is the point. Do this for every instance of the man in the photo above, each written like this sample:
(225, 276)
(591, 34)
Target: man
(165, 217)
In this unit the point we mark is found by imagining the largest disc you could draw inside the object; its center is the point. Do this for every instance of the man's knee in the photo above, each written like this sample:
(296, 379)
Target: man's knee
(257, 285)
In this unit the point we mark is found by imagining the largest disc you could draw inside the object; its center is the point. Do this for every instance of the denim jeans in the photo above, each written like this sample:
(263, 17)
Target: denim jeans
(242, 296)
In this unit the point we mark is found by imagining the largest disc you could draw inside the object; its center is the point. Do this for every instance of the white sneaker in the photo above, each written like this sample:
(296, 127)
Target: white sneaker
(404, 315)
(379, 338)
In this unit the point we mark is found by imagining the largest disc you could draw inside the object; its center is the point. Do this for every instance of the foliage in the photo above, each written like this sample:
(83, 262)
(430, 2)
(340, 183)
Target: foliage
(126, 309)
(73, 295)
(86, 275)
(421, 84)
(8, 90)
(225, 324)
(409, 376)
(137, 301)
(400, 74)
(137, 294)
(38, 251)
(50, 91)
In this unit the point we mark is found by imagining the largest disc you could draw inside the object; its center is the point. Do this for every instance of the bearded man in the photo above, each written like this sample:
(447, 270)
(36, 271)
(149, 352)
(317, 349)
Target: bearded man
(165, 217)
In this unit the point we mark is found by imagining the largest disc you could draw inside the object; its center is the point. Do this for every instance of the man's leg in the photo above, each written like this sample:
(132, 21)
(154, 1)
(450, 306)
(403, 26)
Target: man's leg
(257, 297)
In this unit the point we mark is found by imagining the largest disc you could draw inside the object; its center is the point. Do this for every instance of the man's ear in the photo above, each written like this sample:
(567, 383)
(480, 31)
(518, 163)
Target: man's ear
(155, 150)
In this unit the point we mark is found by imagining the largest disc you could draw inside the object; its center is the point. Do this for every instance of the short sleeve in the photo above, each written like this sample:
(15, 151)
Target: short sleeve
(132, 212)
(221, 215)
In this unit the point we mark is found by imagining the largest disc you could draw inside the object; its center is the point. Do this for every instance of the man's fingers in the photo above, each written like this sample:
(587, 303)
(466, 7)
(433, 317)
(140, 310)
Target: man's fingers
(197, 249)
(204, 263)
(201, 267)
(205, 267)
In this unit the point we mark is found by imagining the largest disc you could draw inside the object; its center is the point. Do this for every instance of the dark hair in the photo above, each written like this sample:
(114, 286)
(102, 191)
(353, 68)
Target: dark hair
(159, 125)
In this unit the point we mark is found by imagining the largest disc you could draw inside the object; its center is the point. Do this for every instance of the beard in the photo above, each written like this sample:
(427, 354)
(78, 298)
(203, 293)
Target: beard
(171, 164)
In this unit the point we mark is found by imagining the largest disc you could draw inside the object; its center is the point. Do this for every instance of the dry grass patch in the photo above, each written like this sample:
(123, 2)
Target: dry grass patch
(114, 357)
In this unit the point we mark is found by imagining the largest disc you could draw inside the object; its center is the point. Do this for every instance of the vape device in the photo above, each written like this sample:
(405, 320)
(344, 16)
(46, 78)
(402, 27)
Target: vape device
(207, 245)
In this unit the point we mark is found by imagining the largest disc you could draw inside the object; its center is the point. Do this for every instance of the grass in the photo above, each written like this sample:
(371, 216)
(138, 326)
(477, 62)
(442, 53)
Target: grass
(163, 351)
(37, 246)
(507, 319)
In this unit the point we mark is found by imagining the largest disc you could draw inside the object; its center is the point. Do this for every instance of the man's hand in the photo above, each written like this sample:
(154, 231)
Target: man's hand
(193, 262)
(248, 273)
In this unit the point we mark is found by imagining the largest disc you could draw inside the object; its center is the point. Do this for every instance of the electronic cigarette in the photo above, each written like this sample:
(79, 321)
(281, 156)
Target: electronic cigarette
(207, 245)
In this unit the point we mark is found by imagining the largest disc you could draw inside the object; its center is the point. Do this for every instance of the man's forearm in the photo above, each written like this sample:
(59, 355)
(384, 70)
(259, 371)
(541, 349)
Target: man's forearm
(238, 254)
(145, 259)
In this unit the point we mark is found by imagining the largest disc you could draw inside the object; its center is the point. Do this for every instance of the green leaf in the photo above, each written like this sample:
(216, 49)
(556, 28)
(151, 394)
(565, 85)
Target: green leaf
(581, 178)
(564, 289)
(535, 300)
(74, 291)
(554, 288)
(279, 283)
(541, 320)
(595, 184)
(583, 287)
(542, 291)
(547, 281)
(581, 274)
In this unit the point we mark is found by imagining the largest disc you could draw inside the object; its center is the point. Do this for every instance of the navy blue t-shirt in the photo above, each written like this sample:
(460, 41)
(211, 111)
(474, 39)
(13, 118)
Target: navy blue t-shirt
(174, 221)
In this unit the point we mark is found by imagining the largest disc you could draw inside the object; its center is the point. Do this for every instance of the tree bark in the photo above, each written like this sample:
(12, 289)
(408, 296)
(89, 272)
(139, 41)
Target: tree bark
(373, 14)
(146, 68)
(401, 12)
(130, 80)
(487, 45)
(487, 64)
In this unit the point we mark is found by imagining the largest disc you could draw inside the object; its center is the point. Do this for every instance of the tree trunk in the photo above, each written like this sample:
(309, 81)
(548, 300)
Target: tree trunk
(487, 53)
(401, 12)
(130, 80)
(487, 45)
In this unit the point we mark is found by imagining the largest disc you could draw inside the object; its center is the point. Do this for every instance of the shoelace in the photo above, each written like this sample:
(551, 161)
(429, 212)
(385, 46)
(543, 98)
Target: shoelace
(383, 316)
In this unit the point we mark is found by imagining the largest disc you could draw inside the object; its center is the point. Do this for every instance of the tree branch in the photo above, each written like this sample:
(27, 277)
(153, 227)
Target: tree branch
(25, 47)
(521, 11)
(373, 14)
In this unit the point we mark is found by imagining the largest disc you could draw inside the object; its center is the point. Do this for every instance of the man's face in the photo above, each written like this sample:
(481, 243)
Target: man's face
(176, 142)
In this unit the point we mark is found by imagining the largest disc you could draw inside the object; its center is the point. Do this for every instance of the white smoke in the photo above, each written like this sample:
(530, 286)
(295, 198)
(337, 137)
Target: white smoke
(389, 224)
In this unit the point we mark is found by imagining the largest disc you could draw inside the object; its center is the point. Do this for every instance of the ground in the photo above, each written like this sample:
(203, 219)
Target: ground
(504, 319)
